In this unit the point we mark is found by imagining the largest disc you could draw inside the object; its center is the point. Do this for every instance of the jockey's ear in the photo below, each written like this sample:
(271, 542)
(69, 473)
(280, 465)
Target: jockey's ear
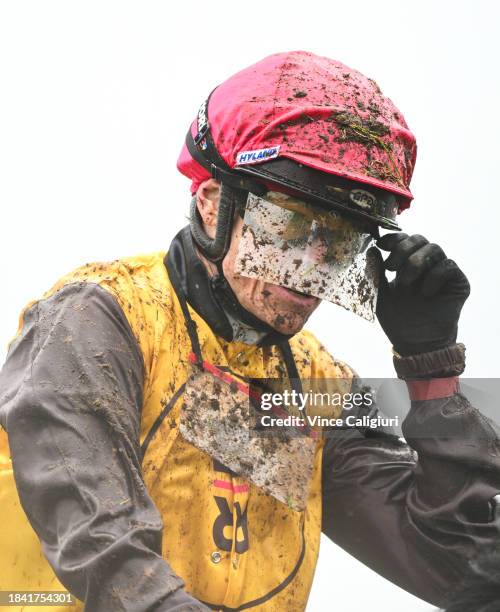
(207, 201)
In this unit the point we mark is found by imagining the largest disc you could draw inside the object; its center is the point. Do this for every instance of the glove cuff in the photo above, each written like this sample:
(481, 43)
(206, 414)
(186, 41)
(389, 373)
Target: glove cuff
(449, 361)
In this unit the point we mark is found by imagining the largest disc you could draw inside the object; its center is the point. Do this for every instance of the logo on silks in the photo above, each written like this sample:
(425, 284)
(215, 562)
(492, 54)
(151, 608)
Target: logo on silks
(257, 156)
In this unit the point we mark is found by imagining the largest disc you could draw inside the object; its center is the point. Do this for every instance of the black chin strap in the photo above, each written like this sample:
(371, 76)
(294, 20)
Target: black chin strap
(216, 248)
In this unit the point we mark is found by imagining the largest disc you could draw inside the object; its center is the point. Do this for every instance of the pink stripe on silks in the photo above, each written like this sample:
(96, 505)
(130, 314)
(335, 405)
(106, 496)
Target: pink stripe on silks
(229, 380)
(224, 376)
(224, 484)
(434, 388)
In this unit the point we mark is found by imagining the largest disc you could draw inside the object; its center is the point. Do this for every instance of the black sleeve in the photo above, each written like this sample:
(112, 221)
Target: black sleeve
(70, 400)
(416, 512)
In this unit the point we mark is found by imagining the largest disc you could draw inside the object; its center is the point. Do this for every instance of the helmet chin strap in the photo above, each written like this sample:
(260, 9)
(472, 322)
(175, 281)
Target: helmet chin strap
(215, 249)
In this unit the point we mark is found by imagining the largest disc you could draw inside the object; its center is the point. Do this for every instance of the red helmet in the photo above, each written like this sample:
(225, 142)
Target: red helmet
(308, 124)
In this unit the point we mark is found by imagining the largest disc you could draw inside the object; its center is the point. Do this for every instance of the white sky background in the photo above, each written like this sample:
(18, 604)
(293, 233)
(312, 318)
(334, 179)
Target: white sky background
(95, 101)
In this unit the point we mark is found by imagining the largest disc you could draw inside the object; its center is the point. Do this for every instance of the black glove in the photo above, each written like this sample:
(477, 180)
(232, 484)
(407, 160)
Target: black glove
(420, 308)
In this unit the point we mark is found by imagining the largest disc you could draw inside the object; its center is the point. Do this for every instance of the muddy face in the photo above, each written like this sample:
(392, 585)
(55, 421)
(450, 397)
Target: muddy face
(283, 309)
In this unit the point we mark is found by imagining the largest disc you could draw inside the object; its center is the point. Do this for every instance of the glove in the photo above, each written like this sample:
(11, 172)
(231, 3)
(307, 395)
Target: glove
(180, 601)
(420, 308)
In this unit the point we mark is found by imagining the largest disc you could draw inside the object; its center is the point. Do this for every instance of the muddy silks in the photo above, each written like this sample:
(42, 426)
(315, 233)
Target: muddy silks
(235, 546)
(220, 415)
